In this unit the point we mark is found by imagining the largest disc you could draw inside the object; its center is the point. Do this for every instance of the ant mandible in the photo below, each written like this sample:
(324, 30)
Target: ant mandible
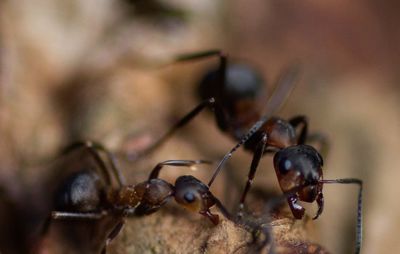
(231, 91)
(89, 195)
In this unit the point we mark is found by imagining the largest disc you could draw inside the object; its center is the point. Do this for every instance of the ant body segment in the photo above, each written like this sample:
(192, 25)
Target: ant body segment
(89, 195)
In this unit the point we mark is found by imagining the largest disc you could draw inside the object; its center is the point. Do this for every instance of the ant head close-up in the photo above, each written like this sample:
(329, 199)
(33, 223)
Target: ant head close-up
(195, 196)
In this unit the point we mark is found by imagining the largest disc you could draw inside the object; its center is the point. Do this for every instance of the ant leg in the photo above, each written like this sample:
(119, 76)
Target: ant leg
(177, 163)
(94, 149)
(323, 141)
(359, 206)
(96, 156)
(58, 215)
(113, 162)
(112, 235)
(253, 168)
(186, 119)
(295, 122)
(221, 71)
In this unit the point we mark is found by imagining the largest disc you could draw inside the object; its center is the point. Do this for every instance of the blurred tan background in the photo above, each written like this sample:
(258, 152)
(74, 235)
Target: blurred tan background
(74, 69)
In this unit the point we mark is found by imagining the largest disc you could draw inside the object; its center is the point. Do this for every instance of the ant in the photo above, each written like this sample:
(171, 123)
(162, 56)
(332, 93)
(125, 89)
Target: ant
(231, 91)
(89, 195)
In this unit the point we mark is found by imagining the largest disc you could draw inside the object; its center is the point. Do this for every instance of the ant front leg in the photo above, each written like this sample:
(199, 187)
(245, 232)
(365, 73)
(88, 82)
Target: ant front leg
(323, 142)
(253, 168)
(300, 120)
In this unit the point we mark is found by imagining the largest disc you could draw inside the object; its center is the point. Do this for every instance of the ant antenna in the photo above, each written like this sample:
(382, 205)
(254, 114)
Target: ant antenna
(177, 163)
(359, 207)
(282, 90)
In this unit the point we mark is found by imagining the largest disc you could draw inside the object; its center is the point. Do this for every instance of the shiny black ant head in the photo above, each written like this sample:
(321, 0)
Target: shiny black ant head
(153, 194)
(299, 165)
(194, 195)
(241, 82)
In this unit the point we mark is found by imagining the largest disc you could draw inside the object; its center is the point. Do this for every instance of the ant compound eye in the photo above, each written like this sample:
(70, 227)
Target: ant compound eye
(189, 197)
(285, 166)
(282, 162)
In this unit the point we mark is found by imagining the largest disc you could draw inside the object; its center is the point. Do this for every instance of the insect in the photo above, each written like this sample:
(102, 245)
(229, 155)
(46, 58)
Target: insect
(232, 92)
(89, 195)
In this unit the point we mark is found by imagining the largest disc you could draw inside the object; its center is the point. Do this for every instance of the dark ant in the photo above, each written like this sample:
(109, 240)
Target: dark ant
(89, 195)
(231, 91)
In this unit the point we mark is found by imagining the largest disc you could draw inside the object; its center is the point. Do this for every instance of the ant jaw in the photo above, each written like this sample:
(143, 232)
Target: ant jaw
(297, 210)
(320, 202)
(214, 218)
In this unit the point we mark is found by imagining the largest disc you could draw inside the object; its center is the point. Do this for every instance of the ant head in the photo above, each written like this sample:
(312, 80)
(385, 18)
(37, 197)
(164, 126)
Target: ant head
(241, 82)
(299, 165)
(154, 193)
(195, 196)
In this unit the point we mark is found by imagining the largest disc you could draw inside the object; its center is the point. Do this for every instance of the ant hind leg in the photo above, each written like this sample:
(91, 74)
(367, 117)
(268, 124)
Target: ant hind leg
(300, 120)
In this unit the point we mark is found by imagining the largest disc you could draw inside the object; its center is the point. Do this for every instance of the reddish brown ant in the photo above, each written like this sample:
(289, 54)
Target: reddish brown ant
(89, 195)
(231, 91)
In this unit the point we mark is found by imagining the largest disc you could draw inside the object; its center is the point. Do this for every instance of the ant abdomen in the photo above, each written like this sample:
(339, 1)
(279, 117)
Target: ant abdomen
(241, 82)
(81, 191)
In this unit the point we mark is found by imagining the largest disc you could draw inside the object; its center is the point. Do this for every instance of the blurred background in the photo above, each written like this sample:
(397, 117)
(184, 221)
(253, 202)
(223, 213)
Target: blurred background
(90, 69)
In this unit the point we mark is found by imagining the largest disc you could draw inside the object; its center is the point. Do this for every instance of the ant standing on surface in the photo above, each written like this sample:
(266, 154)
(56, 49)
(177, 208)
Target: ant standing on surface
(89, 194)
(231, 91)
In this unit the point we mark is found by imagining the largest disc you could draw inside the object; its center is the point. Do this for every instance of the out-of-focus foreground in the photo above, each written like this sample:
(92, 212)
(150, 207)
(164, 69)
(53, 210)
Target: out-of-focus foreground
(89, 69)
